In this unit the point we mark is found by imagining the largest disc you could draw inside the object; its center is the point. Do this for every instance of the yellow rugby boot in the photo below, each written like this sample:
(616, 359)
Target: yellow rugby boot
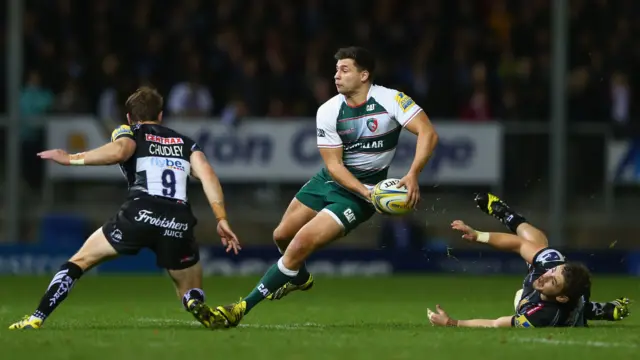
(207, 316)
(26, 323)
(233, 313)
(287, 288)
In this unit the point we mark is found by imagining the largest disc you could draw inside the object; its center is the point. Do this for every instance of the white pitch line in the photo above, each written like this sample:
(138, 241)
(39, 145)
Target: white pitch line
(255, 326)
(588, 343)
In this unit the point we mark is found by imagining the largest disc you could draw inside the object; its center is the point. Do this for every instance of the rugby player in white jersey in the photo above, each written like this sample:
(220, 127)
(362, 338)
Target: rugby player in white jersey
(357, 133)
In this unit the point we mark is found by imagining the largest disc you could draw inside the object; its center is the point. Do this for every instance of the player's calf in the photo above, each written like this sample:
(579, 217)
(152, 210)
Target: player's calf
(188, 283)
(95, 250)
(317, 233)
(282, 239)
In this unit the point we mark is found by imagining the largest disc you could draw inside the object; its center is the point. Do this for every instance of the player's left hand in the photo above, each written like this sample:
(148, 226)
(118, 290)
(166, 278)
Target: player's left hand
(228, 238)
(468, 232)
(438, 318)
(58, 155)
(413, 189)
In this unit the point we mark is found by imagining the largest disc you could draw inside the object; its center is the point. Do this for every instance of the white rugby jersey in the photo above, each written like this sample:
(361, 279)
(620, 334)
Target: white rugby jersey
(368, 133)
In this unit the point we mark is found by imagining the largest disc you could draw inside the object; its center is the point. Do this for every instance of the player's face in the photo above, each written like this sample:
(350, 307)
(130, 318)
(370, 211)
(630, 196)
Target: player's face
(347, 78)
(550, 283)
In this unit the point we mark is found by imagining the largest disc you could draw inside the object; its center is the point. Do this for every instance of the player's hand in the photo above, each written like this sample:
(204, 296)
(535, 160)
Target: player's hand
(468, 232)
(58, 155)
(413, 189)
(439, 317)
(370, 198)
(228, 238)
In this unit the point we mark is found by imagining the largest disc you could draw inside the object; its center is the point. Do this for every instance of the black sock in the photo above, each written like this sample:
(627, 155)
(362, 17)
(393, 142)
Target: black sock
(512, 220)
(195, 293)
(58, 289)
(599, 311)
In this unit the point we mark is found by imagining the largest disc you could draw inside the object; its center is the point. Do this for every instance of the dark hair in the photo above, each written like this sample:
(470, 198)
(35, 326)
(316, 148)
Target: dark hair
(577, 281)
(145, 104)
(362, 58)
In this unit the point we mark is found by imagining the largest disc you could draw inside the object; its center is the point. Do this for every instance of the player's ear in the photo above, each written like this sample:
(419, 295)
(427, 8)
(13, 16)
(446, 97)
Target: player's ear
(129, 119)
(562, 299)
(364, 76)
(160, 116)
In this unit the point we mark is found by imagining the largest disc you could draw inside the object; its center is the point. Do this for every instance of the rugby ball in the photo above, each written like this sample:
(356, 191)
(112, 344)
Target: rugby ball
(389, 199)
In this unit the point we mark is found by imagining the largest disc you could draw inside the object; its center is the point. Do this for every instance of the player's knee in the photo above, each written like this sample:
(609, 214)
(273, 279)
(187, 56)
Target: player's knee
(281, 237)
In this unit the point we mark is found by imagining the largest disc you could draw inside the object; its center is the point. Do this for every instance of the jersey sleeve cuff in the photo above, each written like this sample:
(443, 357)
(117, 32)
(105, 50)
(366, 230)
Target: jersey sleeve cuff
(329, 145)
(413, 116)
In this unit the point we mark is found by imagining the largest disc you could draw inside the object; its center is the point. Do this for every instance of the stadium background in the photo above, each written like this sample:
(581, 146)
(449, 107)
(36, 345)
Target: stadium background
(559, 143)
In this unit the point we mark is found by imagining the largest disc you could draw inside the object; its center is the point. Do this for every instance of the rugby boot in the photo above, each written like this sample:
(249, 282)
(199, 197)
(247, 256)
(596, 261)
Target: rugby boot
(617, 309)
(232, 313)
(288, 288)
(494, 206)
(208, 317)
(28, 322)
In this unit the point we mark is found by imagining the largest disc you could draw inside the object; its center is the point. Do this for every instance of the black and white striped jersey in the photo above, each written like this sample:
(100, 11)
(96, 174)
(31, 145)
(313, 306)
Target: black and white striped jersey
(160, 165)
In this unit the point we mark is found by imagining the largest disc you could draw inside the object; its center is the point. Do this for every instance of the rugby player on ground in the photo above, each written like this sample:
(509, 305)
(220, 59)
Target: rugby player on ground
(555, 293)
(157, 162)
(357, 133)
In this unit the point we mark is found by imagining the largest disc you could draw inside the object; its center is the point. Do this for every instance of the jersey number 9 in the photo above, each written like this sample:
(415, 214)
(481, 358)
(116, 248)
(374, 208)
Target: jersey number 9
(169, 183)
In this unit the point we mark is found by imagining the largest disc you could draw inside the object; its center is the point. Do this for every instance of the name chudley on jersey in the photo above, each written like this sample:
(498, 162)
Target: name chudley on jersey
(172, 228)
(171, 146)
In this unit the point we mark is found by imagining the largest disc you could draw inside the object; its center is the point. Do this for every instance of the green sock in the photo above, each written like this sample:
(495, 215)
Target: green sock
(303, 273)
(272, 280)
(302, 277)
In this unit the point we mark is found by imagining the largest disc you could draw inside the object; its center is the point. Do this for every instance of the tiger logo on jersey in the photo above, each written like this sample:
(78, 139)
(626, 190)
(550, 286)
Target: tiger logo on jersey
(372, 124)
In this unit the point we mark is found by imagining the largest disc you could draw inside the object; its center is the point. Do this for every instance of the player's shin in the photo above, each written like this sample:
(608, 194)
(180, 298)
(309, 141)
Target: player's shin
(273, 279)
(58, 289)
(303, 273)
(610, 311)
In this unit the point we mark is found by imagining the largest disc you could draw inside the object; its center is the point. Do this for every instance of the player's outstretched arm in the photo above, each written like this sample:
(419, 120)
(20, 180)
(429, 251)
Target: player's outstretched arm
(333, 160)
(109, 154)
(201, 169)
(500, 241)
(441, 318)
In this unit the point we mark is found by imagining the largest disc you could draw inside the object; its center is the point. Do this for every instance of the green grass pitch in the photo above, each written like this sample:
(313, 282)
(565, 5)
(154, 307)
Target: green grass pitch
(127, 317)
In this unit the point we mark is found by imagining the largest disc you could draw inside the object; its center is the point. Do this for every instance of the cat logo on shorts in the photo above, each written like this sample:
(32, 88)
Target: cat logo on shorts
(349, 215)
(372, 124)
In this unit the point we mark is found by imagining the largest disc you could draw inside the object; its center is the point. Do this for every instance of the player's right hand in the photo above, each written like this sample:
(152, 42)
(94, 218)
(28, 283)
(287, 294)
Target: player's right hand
(228, 238)
(468, 232)
(370, 198)
(58, 155)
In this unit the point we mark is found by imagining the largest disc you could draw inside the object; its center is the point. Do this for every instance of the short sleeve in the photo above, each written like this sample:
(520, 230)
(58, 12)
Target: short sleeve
(326, 132)
(403, 108)
(123, 131)
(192, 145)
(536, 316)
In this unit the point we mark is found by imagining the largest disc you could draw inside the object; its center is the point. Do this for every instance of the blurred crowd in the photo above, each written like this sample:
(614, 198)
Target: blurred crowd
(469, 59)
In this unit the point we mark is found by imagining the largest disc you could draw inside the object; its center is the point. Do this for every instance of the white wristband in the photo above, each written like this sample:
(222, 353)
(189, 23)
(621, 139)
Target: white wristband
(483, 237)
(77, 162)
